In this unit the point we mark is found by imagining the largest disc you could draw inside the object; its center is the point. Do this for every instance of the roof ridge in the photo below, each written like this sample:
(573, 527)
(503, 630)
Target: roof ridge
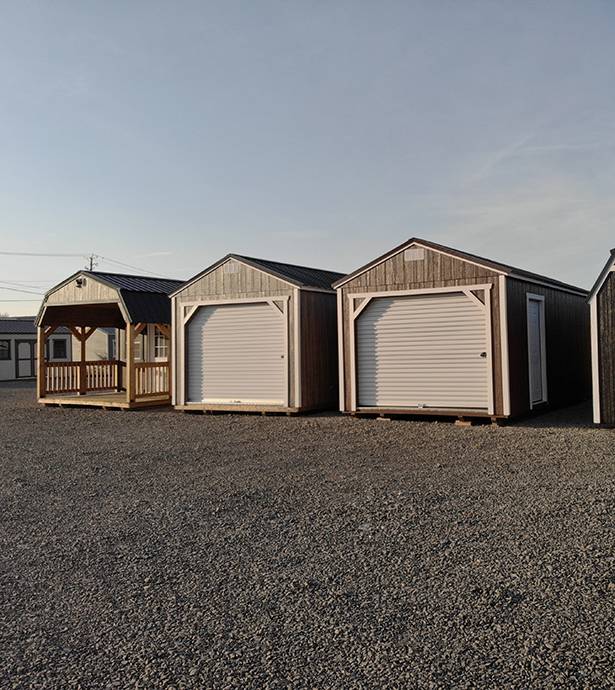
(286, 263)
(130, 275)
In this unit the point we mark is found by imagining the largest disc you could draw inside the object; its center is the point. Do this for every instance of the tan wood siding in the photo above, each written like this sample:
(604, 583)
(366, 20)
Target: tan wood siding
(435, 270)
(567, 346)
(606, 350)
(92, 291)
(319, 360)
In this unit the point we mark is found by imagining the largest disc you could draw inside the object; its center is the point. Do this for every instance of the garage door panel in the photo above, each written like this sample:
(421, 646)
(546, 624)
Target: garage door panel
(237, 354)
(422, 351)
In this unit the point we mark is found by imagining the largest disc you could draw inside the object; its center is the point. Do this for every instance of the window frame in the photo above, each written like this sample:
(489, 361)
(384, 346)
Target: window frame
(8, 358)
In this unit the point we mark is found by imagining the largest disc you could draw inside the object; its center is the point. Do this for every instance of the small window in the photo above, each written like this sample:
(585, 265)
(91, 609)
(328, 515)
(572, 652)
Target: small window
(414, 254)
(59, 349)
(161, 346)
(5, 349)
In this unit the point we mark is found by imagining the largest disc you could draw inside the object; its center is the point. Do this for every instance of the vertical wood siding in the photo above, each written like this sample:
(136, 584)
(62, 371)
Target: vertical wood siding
(567, 344)
(92, 291)
(319, 360)
(606, 350)
(434, 271)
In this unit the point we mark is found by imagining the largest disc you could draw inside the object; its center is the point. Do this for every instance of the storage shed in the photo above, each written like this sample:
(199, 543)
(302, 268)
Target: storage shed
(256, 335)
(136, 311)
(426, 329)
(18, 353)
(602, 310)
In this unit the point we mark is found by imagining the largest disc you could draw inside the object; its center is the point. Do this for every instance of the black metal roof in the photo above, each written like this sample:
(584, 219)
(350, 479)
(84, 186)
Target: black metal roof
(489, 263)
(133, 283)
(23, 325)
(300, 276)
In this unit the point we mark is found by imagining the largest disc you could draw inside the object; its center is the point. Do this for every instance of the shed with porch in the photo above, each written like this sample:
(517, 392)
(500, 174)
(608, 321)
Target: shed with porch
(427, 329)
(256, 335)
(138, 309)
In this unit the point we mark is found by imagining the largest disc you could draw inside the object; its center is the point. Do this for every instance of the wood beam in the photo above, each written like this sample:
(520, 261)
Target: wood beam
(76, 332)
(130, 363)
(139, 328)
(49, 330)
(87, 333)
(82, 366)
(41, 388)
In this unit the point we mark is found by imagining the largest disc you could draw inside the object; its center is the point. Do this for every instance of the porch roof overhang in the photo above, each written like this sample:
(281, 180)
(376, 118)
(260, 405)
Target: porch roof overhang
(99, 315)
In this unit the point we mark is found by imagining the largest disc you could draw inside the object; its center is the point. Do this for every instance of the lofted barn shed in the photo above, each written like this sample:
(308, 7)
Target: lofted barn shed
(133, 315)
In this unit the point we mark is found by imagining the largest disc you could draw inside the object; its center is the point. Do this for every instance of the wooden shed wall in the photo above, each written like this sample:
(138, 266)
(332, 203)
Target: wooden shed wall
(567, 344)
(435, 270)
(319, 359)
(246, 283)
(606, 350)
(92, 291)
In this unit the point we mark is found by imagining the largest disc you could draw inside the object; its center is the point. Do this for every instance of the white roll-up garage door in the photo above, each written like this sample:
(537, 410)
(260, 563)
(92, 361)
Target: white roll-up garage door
(236, 353)
(423, 351)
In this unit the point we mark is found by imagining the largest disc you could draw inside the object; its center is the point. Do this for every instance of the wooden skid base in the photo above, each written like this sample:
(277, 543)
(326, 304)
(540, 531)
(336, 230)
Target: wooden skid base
(115, 401)
(462, 418)
(255, 409)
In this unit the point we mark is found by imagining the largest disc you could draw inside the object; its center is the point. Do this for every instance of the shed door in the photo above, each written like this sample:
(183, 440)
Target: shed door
(25, 362)
(237, 354)
(423, 351)
(536, 350)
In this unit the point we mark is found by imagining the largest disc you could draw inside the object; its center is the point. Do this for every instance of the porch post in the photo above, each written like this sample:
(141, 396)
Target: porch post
(41, 388)
(82, 368)
(130, 363)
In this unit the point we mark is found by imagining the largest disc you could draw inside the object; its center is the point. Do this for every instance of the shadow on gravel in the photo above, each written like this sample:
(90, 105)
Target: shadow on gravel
(576, 416)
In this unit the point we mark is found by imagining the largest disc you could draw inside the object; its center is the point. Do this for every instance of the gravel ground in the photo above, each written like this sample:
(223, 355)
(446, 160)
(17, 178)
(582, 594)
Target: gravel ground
(161, 550)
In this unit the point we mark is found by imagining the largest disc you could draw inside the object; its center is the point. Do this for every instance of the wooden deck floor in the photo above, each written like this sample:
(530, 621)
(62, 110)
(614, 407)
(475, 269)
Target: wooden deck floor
(107, 400)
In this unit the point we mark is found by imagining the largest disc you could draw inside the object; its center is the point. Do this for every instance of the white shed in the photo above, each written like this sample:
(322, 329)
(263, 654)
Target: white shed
(18, 347)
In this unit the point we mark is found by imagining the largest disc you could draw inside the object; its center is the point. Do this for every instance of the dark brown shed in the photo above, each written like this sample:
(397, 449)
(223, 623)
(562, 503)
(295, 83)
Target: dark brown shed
(602, 310)
(430, 329)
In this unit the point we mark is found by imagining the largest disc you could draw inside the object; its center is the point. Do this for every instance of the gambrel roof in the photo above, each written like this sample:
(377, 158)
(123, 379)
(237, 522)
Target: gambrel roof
(496, 266)
(298, 276)
(144, 299)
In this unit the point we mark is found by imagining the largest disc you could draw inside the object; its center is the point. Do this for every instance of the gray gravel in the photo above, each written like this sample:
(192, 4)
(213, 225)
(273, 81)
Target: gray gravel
(161, 550)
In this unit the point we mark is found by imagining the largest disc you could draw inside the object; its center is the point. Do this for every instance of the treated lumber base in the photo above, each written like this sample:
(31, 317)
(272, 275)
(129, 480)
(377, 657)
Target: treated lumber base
(110, 401)
(461, 417)
(254, 409)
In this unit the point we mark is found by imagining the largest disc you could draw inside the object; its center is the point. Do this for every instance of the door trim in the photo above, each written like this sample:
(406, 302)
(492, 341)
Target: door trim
(530, 297)
(189, 309)
(367, 297)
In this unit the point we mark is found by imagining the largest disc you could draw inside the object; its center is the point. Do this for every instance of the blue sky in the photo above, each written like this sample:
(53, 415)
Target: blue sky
(166, 134)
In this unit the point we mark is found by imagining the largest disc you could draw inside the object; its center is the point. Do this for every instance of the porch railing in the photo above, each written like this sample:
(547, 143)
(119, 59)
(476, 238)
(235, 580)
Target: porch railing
(152, 379)
(78, 377)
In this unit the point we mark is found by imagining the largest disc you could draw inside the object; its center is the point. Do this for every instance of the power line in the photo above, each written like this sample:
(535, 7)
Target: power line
(81, 256)
(5, 286)
(134, 268)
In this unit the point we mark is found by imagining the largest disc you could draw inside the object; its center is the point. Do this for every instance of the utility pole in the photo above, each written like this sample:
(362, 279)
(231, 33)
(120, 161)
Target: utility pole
(92, 262)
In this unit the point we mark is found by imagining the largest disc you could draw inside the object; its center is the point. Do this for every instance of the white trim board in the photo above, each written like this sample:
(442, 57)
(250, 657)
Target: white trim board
(193, 307)
(595, 349)
(465, 289)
